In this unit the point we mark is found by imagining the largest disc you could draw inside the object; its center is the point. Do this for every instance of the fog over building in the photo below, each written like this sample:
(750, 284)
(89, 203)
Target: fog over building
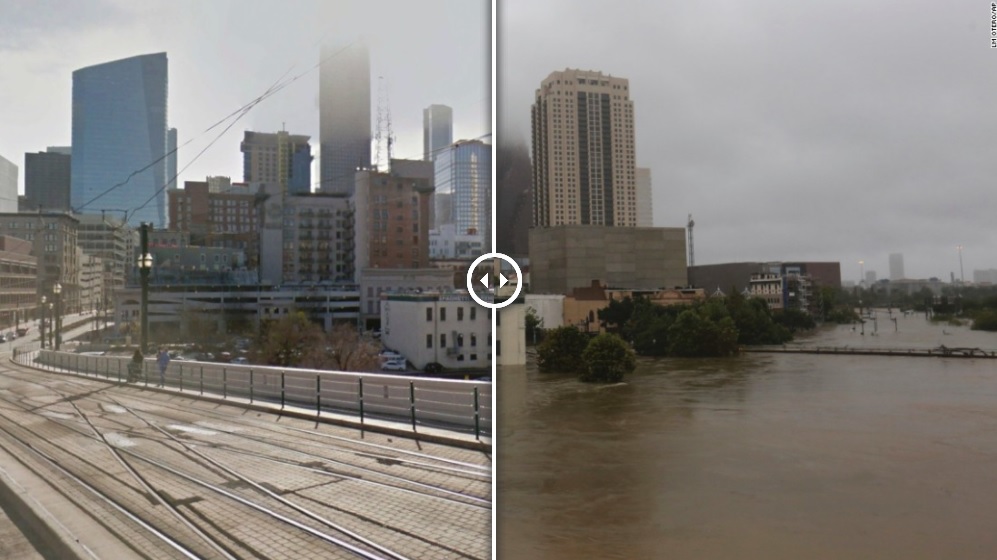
(344, 116)
(896, 266)
(120, 138)
(437, 130)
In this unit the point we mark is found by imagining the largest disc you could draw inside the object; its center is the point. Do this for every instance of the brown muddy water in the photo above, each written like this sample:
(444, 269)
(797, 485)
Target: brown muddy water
(763, 456)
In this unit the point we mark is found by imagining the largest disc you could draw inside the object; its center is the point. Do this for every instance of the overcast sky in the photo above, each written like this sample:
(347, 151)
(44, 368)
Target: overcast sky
(839, 131)
(224, 53)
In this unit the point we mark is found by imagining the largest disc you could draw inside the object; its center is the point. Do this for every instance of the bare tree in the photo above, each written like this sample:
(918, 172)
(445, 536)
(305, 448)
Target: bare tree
(345, 349)
(289, 341)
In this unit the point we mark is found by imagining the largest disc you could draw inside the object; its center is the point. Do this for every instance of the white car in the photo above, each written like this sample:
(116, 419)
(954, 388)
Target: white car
(391, 355)
(394, 365)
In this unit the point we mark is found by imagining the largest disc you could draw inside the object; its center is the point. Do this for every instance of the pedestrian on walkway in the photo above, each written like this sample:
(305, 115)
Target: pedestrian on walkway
(163, 359)
(135, 368)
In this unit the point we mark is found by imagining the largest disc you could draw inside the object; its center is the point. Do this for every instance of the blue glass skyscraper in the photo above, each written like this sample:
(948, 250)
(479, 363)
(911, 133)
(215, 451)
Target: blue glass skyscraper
(464, 188)
(119, 128)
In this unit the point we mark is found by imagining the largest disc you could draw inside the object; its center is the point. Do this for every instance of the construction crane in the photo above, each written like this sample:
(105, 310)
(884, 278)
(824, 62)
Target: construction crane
(692, 248)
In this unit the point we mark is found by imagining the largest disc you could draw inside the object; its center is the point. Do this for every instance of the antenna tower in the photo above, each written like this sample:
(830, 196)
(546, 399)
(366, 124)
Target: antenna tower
(692, 247)
(384, 132)
(381, 102)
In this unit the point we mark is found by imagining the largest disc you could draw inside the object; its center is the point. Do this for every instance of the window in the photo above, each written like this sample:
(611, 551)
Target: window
(429, 313)
(460, 313)
(489, 339)
(443, 341)
(443, 314)
(498, 347)
(429, 341)
(474, 339)
(473, 312)
(460, 340)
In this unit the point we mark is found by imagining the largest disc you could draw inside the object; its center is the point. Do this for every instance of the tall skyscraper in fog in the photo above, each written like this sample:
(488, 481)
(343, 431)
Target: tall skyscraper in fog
(171, 158)
(896, 266)
(437, 130)
(119, 128)
(344, 116)
(583, 151)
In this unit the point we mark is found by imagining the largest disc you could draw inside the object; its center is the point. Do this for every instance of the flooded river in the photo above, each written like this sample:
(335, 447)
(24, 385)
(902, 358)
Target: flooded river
(767, 456)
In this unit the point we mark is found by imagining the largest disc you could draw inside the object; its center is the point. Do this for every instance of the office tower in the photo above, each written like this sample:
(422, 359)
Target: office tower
(280, 159)
(463, 198)
(896, 266)
(8, 185)
(583, 151)
(344, 116)
(171, 158)
(46, 180)
(870, 277)
(120, 138)
(392, 216)
(437, 130)
(645, 202)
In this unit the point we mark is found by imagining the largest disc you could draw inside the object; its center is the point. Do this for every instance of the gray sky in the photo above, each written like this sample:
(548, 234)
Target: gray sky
(224, 53)
(840, 131)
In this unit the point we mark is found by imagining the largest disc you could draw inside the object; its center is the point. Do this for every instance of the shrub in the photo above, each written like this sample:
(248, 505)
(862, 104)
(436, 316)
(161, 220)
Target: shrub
(561, 350)
(607, 359)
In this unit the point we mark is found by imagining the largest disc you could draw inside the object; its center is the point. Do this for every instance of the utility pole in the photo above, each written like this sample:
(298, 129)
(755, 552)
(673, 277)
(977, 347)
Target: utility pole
(145, 263)
(692, 247)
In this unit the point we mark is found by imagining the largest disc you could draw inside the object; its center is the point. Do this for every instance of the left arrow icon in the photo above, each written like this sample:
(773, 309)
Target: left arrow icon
(484, 280)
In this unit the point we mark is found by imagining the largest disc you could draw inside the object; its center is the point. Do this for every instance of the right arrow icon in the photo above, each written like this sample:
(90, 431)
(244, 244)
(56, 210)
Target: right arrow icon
(502, 280)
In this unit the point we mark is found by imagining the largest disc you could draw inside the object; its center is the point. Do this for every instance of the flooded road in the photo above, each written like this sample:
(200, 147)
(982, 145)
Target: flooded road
(762, 456)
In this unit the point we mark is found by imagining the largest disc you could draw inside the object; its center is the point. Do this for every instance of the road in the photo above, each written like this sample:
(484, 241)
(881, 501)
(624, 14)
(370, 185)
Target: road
(133, 473)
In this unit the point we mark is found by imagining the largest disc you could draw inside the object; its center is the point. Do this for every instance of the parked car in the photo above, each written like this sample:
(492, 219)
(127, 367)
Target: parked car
(22, 331)
(394, 365)
(240, 360)
(390, 355)
(433, 367)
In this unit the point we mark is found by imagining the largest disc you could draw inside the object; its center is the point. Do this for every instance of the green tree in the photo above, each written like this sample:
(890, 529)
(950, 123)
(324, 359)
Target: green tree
(561, 350)
(533, 323)
(607, 359)
(693, 335)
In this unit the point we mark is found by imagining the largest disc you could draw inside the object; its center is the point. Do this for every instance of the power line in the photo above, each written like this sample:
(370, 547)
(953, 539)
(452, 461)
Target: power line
(238, 114)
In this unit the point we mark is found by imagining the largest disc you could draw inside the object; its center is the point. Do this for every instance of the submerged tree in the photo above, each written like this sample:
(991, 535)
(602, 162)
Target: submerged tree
(607, 359)
(561, 350)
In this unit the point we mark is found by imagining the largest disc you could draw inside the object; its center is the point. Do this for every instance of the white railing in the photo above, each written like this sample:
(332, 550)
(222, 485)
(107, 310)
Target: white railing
(443, 403)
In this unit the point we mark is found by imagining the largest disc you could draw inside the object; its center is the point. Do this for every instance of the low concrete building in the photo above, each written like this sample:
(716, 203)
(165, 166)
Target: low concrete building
(549, 308)
(447, 328)
(376, 281)
(510, 334)
(221, 304)
(736, 277)
(566, 257)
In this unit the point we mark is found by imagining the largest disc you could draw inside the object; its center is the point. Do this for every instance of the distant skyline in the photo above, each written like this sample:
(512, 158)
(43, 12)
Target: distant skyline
(840, 131)
(225, 53)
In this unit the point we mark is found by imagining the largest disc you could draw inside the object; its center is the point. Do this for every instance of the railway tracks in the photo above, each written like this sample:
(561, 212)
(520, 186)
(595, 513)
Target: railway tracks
(182, 481)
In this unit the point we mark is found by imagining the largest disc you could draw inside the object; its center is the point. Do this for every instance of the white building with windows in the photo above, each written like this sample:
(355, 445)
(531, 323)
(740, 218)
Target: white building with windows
(447, 328)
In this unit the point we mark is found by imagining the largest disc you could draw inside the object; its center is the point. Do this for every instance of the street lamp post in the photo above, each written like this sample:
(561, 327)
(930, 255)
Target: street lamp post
(51, 325)
(57, 324)
(41, 324)
(145, 266)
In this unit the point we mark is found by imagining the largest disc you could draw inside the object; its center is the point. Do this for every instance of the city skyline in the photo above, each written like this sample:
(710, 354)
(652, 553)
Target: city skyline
(214, 72)
(781, 147)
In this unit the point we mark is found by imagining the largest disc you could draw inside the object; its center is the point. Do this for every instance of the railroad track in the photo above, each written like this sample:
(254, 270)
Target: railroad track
(177, 489)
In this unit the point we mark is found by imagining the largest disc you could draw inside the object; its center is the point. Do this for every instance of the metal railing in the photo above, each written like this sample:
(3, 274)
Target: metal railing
(442, 403)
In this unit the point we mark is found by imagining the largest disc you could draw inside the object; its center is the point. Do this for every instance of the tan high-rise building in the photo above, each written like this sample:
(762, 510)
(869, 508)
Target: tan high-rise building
(583, 151)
